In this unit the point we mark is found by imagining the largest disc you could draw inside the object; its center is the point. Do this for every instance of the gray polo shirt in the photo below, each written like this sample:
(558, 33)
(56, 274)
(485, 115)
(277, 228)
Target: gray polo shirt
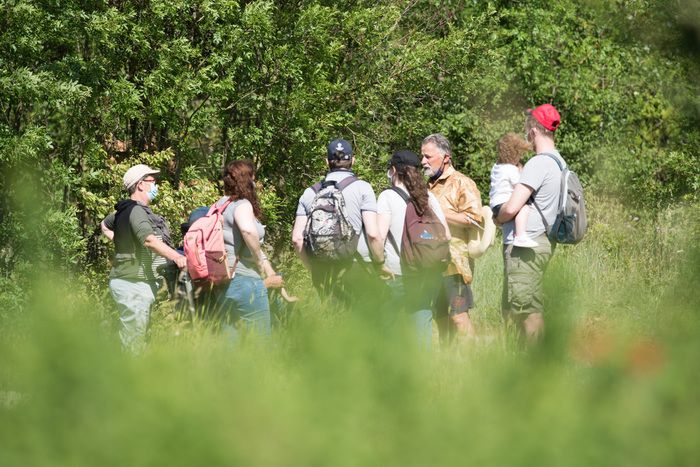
(359, 196)
(541, 174)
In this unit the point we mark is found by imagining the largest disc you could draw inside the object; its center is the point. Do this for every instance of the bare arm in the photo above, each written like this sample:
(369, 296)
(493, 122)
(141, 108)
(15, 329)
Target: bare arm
(245, 220)
(298, 239)
(159, 247)
(374, 239)
(106, 231)
(384, 223)
(272, 279)
(521, 193)
(448, 234)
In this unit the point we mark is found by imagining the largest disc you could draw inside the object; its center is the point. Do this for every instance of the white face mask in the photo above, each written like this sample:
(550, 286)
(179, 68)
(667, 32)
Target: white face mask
(389, 176)
(153, 192)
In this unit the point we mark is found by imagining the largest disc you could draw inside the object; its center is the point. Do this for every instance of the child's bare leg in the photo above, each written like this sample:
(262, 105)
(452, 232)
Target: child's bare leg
(521, 221)
(521, 238)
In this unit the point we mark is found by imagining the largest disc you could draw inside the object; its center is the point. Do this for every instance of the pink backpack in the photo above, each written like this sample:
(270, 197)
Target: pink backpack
(205, 250)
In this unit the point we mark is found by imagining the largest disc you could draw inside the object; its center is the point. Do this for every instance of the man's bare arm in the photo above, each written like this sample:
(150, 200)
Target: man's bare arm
(298, 239)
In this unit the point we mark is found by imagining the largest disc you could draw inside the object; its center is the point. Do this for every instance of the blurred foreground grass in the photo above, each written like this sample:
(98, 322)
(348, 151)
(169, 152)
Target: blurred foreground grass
(611, 384)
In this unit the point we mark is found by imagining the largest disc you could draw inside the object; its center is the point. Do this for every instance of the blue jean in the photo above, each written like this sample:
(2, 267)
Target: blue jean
(245, 304)
(134, 300)
(420, 313)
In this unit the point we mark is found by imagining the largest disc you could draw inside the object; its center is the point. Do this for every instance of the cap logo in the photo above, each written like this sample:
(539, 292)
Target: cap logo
(339, 147)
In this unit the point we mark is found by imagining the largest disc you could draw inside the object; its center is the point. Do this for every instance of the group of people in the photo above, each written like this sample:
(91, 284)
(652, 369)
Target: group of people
(374, 274)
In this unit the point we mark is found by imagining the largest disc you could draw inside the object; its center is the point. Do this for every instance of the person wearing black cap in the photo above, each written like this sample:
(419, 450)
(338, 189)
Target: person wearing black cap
(361, 207)
(524, 267)
(142, 244)
(410, 292)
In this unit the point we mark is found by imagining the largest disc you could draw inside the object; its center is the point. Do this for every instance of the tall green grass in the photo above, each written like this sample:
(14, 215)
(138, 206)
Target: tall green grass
(611, 384)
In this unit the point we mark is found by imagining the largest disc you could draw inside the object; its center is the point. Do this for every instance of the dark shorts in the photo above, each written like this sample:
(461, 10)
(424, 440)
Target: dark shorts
(496, 209)
(454, 296)
(523, 273)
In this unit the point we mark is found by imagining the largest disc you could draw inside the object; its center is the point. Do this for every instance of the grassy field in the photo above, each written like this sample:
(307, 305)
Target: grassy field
(611, 383)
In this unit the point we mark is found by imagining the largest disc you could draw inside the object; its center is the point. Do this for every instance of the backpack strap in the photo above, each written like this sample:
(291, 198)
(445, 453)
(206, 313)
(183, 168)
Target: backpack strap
(344, 183)
(561, 190)
(407, 199)
(214, 207)
(556, 159)
(341, 185)
(405, 196)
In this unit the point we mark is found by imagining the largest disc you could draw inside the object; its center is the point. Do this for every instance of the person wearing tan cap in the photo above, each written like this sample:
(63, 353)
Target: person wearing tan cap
(524, 268)
(142, 245)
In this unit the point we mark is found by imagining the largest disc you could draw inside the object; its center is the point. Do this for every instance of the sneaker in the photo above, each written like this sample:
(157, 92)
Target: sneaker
(524, 242)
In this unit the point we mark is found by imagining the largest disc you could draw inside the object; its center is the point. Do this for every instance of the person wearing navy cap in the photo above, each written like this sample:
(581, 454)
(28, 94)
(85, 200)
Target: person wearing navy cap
(522, 299)
(360, 204)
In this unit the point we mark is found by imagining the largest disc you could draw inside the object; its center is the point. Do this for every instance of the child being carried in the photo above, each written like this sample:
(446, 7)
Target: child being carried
(504, 175)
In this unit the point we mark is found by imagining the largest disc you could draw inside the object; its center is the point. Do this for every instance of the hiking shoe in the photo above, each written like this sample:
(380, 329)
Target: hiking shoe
(524, 242)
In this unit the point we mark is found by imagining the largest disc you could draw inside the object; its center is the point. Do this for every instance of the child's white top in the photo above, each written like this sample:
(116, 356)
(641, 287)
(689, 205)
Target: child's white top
(503, 179)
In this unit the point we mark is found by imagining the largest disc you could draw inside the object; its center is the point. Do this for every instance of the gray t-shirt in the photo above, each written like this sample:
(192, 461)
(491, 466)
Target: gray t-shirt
(390, 202)
(359, 196)
(541, 174)
(234, 243)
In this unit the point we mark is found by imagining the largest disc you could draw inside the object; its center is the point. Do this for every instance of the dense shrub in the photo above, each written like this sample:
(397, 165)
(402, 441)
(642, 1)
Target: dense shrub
(88, 89)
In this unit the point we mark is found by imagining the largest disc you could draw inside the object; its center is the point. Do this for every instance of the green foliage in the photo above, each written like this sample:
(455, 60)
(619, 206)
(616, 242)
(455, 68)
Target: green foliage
(613, 382)
(88, 89)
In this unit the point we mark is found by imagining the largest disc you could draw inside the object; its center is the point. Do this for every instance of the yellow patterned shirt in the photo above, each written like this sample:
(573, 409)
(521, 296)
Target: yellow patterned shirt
(458, 193)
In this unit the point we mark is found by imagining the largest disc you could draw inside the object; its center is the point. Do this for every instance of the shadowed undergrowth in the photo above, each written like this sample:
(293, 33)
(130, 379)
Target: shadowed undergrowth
(611, 384)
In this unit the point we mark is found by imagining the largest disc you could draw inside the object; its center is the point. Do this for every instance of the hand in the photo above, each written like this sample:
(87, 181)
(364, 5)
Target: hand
(386, 274)
(180, 262)
(274, 281)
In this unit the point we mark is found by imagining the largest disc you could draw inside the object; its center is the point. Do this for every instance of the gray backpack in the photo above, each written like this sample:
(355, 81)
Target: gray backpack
(571, 224)
(328, 234)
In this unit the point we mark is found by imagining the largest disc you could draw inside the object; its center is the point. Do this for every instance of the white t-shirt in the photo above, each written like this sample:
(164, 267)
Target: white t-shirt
(503, 179)
(390, 202)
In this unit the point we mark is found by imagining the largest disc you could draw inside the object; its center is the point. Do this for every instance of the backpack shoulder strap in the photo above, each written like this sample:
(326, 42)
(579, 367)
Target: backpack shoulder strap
(561, 194)
(344, 183)
(404, 196)
(407, 199)
(555, 159)
(215, 207)
(316, 187)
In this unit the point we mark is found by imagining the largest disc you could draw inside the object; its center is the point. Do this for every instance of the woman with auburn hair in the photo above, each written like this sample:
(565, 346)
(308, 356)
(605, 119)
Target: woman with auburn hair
(412, 293)
(245, 300)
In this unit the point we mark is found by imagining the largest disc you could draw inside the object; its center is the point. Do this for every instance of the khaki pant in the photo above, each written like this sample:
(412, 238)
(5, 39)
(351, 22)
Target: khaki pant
(523, 273)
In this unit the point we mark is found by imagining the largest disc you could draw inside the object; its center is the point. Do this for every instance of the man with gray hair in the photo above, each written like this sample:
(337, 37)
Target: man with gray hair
(142, 243)
(460, 201)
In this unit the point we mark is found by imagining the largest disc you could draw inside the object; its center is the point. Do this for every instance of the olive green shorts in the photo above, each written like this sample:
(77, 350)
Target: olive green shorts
(523, 272)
